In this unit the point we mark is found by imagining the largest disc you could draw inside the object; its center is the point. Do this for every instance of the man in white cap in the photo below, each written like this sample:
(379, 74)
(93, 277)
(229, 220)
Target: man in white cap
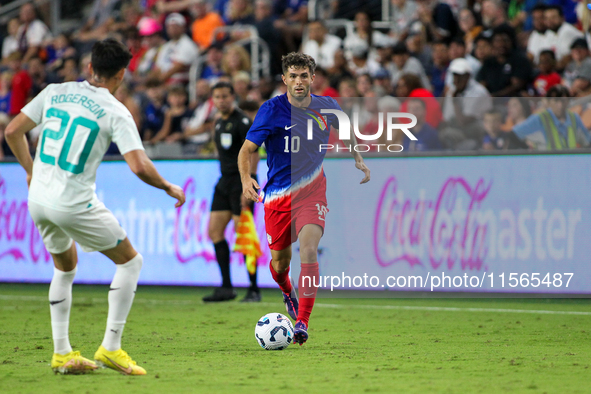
(176, 56)
(465, 104)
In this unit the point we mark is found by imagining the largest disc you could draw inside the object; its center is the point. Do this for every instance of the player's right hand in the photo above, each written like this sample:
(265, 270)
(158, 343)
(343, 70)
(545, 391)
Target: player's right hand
(175, 191)
(249, 189)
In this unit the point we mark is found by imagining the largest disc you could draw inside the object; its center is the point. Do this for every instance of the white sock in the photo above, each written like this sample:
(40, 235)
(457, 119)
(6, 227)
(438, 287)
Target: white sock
(121, 296)
(60, 302)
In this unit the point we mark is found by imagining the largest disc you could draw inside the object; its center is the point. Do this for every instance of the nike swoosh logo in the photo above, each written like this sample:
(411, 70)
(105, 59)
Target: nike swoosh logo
(56, 302)
(127, 370)
(114, 288)
(308, 295)
(287, 128)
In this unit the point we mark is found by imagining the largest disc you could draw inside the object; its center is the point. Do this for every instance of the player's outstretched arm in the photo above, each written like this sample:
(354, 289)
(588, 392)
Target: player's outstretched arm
(359, 163)
(17, 140)
(142, 166)
(248, 183)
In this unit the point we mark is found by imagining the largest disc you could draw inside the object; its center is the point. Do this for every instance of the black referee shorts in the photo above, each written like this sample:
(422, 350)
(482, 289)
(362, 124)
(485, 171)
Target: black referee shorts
(228, 193)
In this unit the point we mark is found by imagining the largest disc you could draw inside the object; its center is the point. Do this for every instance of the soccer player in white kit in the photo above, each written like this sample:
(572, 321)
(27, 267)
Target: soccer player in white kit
(79, 121)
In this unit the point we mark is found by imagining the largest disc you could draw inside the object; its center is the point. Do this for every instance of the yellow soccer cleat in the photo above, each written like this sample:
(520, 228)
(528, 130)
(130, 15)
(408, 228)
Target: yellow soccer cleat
(71, 363)
(118, 360)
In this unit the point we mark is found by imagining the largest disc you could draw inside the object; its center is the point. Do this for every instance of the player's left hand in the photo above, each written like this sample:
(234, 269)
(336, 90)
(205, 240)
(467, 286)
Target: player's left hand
(361, 165)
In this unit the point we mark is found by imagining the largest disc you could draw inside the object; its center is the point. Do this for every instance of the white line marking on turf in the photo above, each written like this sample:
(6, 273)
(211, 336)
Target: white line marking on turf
(322, 305)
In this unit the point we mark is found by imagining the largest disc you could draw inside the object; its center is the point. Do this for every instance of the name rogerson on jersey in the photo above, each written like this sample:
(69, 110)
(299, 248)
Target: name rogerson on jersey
(79, 99)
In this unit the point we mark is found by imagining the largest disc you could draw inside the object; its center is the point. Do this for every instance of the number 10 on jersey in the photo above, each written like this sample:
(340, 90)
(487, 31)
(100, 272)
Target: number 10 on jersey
(295, 144)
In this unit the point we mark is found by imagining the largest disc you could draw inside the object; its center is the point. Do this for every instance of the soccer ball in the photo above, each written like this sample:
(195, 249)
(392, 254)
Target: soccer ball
(274, 331)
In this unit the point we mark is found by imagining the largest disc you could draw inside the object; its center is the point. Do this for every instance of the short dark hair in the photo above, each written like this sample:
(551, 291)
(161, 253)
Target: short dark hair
(177, 90)
(108, 57)
(558, 91)
(539, 7)
(321, 71)
(458, 40)
(400, 49)
(548, 52)
(223, 85)
(557, 8)
(298, 60)
(249, 105)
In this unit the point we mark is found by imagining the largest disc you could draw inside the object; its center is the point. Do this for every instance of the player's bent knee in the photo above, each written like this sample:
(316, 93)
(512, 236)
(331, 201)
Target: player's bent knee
(309, 254)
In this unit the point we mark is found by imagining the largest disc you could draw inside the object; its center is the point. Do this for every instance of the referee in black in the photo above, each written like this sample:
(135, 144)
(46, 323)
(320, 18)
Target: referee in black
(230, 132)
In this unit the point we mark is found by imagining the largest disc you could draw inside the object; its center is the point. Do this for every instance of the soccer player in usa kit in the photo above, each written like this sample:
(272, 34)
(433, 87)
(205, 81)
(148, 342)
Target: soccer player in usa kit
(295, 194)
(79, 120)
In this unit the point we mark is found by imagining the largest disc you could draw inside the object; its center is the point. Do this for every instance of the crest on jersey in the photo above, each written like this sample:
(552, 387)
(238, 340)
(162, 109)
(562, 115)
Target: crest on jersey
(322, 120)
(226, 140)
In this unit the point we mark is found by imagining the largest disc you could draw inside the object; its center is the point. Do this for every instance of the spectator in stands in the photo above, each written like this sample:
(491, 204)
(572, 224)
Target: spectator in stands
(548, 76)
(518, 110)
(176, 116)
(21, 84)
(235, 59)
(559, 35)
(470, 27)
(365, 34)
(482, 49)
(125, 96)
(381, 82)
(579, 52)
(212, 69)
(438, 19)
(130, 16)
(153, 114)
(495, 138)
(321, 45)
(507, 72)
(363, 84)
(198, 130)
(5, 85)
(321, 86)
(204, 24)
(427, 138)
(556, 128)
(150, 30)
(535, 43)
(39, 76)
(176, 56)
(409, 85)
(10, 42)
(403, 63)
(439, 69)
(465, 103)
(384, 56)
(133, 41)
(402, 13)
(418, 47)
(581, 86)
(494, 18)
(240, 12)
(60, 49)
(69, 72)
(31, 34)
(250, 108)
(99, 21)
(360, 62)
(339, 70)
(457, 50)
(241, 84)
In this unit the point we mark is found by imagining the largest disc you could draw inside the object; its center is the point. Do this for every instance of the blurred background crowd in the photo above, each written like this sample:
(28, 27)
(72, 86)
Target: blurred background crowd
(477, 74)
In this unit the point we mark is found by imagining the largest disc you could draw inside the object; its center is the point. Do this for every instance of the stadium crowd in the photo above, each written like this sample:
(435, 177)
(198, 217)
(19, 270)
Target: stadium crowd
(477, 74)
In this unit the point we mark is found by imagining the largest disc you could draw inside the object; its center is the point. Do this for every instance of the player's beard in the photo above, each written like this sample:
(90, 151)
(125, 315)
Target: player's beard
(300, 95)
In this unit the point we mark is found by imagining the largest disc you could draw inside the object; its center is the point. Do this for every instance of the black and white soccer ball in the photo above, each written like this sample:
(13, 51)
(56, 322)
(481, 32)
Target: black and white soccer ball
(274, 331)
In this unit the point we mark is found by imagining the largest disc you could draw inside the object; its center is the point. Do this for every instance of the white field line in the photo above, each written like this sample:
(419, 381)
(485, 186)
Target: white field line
(5, 297)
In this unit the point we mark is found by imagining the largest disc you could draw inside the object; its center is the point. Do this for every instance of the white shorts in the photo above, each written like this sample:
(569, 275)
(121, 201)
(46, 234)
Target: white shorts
(95, 229)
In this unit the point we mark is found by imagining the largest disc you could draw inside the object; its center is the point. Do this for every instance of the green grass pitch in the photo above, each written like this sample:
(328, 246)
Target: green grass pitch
(355, 345)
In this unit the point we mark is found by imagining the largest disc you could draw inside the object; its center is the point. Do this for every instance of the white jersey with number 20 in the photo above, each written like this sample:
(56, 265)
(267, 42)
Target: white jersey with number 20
(79, 121)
